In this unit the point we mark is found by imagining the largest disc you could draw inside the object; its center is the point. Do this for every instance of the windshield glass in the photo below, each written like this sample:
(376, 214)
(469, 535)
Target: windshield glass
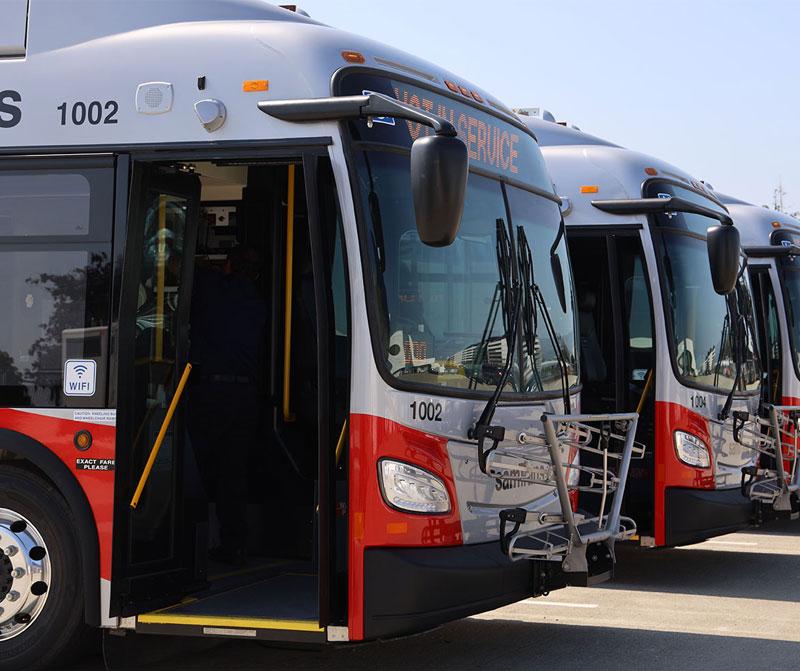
(439, 315)
(700, 320)
(790, 279)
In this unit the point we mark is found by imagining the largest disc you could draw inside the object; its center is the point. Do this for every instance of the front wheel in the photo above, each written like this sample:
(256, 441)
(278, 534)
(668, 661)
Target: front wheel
(41, 586)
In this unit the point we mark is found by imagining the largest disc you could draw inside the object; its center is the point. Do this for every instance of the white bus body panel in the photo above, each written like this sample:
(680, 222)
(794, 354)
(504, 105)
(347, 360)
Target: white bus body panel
(580, 159)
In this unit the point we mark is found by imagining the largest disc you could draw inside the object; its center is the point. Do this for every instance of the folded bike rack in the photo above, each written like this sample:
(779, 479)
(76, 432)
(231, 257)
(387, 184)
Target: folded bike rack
(538, 458)
(776, 437)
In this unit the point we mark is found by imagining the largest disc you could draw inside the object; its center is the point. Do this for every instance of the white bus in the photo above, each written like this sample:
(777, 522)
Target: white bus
(661, 332)
(771, 241)
(408, 427)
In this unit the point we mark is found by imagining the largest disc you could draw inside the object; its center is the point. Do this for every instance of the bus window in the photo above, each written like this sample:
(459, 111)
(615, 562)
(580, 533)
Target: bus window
(55, 276)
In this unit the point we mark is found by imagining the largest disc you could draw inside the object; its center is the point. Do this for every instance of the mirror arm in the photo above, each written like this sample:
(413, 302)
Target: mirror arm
(354, 107)
(658, 206)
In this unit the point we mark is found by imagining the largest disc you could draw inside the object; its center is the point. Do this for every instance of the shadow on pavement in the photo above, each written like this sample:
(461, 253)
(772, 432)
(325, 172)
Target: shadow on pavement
(498, 644)
(749, 575)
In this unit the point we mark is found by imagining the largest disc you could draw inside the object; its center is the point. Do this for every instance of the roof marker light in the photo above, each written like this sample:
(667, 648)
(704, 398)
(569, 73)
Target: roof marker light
(252, 85)
(477, 96)
(453, 87)
(354, 57)
(464, 91)
(776, 224)
(590, 188)
(651, 171)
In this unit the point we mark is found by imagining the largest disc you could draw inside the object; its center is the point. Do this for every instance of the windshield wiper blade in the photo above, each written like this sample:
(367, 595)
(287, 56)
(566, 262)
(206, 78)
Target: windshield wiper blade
(488, 328)
(510, 291)
(535, 300)
(739, 333)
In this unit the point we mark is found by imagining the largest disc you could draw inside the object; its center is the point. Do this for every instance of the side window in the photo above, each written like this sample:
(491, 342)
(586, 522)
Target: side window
(55, 278)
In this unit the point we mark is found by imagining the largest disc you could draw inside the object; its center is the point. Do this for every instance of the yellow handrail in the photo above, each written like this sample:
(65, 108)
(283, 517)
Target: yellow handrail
(161, 435)
(340, 442)
(288, 415)
(648, 383)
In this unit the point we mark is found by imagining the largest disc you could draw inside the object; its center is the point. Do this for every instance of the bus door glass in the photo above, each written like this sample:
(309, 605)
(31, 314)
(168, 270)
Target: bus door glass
(769, 332)
(153, 547)
(617, 343)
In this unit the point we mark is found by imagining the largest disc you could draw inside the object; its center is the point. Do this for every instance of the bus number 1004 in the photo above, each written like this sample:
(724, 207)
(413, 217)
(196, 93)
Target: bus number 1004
(93, 113)
(427, 411)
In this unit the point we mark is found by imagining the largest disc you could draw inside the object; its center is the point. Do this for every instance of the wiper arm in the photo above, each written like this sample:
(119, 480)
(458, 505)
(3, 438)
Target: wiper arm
(535, 302)
(488, 328)
(510, 300)
(739, 333)
(725, 326)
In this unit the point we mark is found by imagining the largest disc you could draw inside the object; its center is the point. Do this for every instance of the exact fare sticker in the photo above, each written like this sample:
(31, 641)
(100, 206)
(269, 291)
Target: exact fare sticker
(83, 464)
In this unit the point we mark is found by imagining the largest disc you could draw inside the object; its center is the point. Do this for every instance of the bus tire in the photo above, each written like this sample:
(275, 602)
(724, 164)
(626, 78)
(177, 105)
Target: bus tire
(42, 619)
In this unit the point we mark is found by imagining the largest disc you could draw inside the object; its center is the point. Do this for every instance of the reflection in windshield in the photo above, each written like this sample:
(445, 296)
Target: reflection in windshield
(702, 320)
(791, 287)
(441, 319)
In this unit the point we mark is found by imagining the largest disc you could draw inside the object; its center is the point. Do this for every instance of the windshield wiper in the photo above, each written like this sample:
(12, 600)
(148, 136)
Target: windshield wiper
(739, 333)
(533, 302)
(725, 326)
(510, 291)
(483, 345)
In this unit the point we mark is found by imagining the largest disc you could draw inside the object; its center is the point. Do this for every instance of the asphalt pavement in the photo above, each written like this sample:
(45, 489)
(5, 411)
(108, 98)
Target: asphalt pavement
(730, 603)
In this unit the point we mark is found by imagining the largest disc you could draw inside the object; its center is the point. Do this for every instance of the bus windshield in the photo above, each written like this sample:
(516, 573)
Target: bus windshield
(790, 279)
(700, 321)
(439, 317)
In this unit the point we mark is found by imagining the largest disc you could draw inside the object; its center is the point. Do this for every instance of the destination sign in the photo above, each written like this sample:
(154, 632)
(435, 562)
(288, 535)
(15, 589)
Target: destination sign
(492, 144)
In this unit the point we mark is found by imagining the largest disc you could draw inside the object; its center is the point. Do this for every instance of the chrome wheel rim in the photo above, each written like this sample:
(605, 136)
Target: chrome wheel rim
(25, 570)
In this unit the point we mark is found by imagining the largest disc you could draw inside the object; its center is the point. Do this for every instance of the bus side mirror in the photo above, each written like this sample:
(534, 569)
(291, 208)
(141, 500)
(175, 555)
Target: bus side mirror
(439, 166)
(724, 252)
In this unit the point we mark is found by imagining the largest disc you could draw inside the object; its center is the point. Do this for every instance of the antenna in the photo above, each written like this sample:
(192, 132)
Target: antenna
(777, 196)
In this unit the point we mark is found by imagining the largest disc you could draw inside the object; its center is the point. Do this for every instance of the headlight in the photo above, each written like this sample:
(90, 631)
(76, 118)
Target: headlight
(411, 488)
(691, 450)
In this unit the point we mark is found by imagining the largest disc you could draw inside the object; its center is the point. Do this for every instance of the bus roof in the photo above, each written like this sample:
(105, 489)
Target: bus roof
(102, 50)
(586, 168)
(757, 224)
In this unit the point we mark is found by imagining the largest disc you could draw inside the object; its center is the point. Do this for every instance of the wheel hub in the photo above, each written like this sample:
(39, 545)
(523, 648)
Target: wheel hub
(24, 573)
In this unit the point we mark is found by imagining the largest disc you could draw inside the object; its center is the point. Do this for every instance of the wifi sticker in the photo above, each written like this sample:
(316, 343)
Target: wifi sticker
(79, 377)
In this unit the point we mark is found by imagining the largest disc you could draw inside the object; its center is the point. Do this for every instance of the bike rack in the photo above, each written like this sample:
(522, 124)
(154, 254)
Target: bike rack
(776, 437)
(537, 458)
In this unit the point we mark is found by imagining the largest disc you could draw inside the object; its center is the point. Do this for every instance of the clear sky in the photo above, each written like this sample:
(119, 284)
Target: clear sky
(712, 86)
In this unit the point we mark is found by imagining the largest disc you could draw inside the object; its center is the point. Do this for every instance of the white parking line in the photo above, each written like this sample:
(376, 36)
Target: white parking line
(563, 604)
(731, 543)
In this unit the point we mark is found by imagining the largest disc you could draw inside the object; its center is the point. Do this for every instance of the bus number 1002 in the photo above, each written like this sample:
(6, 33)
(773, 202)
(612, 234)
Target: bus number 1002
(426, 411)
(93, 113)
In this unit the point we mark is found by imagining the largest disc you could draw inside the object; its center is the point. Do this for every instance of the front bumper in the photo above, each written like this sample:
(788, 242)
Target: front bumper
(407, 590)
(693, 515)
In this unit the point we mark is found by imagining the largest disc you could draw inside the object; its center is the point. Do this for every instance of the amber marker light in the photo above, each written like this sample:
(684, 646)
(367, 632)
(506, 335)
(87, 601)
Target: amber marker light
(252, 85)
(354, 57)
(651, 171)
(776, 224)
(592, 188)
(452, 86)
(82, 440)
(477, 96)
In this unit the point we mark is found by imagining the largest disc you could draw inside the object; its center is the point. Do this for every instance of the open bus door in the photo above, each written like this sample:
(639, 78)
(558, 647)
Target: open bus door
(155, 553)
(618, 355)
(292, 582)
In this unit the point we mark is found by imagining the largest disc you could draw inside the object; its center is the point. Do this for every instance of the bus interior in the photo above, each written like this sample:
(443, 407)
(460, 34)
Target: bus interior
(226, 282)
(618, 357)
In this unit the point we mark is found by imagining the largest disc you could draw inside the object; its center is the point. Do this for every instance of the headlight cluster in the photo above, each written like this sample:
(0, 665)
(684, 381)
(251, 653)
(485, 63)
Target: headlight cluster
(692, 450)
(412, 489)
